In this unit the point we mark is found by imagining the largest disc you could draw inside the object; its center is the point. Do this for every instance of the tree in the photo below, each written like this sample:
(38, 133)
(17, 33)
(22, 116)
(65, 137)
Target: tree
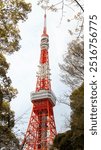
(77, 106)
(73, 138)
(73, 64)
(7, 92)
(11, 12)
(77, 117)
(7, 138)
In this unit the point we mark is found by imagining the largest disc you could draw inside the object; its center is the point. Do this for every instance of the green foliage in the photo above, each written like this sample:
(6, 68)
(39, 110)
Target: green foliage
(7, 138)
(6, 115)
(3, 66)
(7, 92)
(58, 139)
(11, 12)
(63, 141)
(74, 138)
(77, 106)
(77, 117)
(66, 141)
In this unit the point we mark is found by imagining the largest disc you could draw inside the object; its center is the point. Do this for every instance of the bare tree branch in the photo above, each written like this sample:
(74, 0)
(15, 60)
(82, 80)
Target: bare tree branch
(79, 5)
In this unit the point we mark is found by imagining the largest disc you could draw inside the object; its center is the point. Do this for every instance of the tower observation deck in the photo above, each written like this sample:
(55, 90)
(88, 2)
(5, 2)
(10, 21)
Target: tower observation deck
(41, 128)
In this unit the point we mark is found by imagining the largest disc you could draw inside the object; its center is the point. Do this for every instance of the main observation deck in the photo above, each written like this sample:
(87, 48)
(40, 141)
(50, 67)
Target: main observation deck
(43, 94)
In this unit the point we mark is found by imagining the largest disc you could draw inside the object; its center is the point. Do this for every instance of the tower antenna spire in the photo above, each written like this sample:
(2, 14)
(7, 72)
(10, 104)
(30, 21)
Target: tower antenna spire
(45, 26)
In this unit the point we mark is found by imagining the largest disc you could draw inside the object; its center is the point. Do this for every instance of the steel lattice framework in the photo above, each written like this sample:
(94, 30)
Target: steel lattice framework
(41, 129)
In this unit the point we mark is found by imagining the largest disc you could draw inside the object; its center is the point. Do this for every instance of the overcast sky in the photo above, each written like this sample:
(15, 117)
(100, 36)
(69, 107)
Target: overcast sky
(24, 63)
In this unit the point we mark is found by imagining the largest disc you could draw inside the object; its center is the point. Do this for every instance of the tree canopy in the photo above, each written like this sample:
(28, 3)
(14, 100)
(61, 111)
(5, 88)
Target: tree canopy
(11, 12)
(72, 75)
(73, 138)
(7, 92)
(77, 106)
(7, 137)
(72, 69)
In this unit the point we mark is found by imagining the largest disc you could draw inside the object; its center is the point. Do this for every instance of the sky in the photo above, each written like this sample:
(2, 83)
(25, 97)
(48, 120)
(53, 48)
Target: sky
(24, 63)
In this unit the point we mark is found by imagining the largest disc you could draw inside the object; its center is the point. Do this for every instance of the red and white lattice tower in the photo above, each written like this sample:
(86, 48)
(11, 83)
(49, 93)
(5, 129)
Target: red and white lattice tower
(41, 129)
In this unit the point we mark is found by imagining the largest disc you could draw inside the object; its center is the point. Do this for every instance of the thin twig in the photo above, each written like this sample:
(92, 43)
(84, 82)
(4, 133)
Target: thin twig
(79, 5)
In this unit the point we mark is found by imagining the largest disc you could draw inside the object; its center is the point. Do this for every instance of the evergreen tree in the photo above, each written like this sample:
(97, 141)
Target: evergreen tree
(11, 12)
(7, 138)
(77, 106)
(7, 92)
(74, 138)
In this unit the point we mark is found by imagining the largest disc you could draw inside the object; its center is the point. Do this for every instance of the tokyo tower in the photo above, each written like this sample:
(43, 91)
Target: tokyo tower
(41, 129)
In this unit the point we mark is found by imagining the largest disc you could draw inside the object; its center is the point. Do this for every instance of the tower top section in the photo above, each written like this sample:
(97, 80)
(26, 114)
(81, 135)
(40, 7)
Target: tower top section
(43, 85)
(45, 28)
(45, 25)
(43, 74)
(44, 37)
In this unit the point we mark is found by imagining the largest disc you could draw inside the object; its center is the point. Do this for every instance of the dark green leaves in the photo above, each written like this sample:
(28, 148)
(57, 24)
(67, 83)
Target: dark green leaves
(11, 12)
